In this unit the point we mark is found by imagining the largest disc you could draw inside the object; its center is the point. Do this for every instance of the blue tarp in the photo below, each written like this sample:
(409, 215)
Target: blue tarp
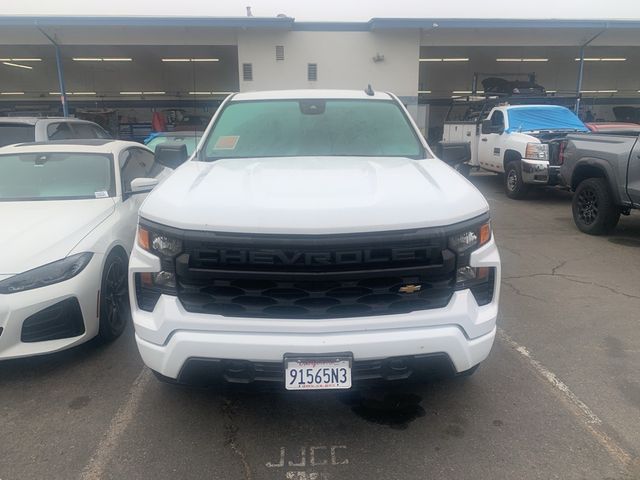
(543, 117)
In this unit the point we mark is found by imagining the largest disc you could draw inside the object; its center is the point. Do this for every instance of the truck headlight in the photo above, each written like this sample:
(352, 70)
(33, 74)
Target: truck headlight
(470, 239)
(537, 151)
(54, 272)
(150, 285)
(478, 280)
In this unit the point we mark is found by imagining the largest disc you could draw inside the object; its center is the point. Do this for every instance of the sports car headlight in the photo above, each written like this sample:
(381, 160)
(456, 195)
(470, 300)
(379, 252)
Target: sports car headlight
(537, 151)
(49, 274)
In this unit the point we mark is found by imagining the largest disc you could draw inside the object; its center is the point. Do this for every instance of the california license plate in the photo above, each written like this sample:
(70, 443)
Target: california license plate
(317, 373)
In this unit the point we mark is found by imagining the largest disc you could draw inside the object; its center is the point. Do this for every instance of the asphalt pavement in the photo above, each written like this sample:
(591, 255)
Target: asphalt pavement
(559, 396)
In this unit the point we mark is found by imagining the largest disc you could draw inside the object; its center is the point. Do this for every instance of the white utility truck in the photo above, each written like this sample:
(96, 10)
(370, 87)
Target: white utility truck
(510, 139)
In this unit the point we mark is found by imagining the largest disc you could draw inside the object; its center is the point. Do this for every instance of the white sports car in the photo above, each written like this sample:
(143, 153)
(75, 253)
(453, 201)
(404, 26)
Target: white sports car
(68, 214)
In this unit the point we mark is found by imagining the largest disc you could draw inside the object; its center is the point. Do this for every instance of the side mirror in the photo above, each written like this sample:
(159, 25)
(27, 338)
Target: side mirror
(171, 154)
(142, 185)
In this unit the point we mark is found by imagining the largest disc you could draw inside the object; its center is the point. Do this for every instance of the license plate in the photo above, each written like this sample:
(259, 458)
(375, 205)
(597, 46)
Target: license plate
(317, 373)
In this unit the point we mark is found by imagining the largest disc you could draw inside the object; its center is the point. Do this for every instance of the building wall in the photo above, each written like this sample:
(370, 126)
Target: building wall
(344, 59)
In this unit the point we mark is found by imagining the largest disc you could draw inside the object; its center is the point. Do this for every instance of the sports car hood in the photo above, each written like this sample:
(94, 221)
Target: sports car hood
(313, 195)
(37, 233)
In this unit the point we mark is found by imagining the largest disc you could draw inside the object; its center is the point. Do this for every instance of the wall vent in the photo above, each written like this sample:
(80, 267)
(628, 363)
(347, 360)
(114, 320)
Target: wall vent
(279, 52)
(247, 72)
(312, 72)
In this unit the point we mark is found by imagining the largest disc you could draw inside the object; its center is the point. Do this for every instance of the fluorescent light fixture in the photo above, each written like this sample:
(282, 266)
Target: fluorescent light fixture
(102, 59)
(424, 91)
(28, 67)
(190, 59)
(5, 59)
(444, 59)
(142, 93)
(73, 93)
(552, 91)
(603, 59)
(26, 59)
(522, 59)
(11, 93)
(462, 92)
(210, 93)
(599, 91)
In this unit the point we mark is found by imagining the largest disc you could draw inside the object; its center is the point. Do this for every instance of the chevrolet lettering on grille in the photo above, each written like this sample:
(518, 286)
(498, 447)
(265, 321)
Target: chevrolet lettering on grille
(345, 257)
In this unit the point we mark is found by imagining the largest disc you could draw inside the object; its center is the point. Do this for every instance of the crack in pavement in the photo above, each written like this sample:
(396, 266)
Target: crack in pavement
(231, 436)
(520, 293)
(570, 278)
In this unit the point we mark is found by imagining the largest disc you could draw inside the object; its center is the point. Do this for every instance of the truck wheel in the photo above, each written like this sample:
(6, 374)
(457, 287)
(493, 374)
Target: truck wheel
(594, 210)
(463, 169)
(514, 186)
(114, 298)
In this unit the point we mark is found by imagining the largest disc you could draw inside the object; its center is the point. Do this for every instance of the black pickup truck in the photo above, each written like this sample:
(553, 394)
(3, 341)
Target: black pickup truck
(604, 172)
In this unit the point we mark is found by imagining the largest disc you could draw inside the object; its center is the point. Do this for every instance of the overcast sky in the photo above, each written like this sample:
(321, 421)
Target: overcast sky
(335, 10)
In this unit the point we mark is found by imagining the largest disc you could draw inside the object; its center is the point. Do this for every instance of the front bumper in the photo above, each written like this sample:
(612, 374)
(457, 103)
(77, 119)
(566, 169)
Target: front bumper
(18, 307)
(170, 336)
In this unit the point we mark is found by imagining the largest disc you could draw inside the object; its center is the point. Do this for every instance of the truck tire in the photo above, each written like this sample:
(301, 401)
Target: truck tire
(594, 209)
(463, 169)
(514, 186)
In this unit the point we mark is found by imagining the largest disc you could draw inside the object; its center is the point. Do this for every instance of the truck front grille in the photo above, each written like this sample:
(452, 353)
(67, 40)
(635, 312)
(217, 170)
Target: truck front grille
(316, 277)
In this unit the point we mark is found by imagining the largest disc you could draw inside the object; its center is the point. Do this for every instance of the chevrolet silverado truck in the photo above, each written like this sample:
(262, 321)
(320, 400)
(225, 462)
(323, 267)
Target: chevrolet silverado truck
(604, 172)
(313, 240)
(512, 140)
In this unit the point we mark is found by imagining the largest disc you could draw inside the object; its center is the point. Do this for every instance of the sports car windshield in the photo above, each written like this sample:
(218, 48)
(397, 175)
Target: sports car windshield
(55, 176)
(312, 127)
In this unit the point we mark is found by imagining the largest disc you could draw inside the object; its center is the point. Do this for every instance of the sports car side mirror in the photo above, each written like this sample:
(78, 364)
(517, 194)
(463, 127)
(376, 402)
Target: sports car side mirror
(142, 185)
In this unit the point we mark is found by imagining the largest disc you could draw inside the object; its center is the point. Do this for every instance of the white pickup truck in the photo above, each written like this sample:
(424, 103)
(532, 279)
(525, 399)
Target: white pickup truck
(313, 240)
(511, 139)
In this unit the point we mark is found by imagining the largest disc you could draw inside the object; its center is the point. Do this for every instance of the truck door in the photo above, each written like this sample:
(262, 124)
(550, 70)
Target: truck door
(633, 178)
(490, 150)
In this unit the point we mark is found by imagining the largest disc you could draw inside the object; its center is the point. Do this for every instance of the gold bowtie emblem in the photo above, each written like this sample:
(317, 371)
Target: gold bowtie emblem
(410, 288)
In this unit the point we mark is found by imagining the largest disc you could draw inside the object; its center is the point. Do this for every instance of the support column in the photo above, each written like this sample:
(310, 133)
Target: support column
(580, 75)
(63, 92)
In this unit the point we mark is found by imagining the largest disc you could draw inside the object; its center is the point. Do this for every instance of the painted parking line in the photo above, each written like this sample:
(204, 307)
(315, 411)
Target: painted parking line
(591, 421)
(95, 469)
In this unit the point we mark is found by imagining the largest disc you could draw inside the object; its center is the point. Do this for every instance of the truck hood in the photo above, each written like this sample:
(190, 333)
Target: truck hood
(37, 233)
(313, 195)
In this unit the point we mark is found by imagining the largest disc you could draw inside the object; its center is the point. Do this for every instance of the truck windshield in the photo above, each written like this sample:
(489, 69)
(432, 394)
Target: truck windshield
(55, 176)
(11, 133)
(287, 128)
(543, 117)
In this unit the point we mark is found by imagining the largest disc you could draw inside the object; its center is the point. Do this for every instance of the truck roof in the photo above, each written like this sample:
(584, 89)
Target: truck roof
(311, 94)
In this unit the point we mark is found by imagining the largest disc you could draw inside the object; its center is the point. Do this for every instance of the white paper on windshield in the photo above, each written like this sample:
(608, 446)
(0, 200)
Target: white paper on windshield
(102, 194)
(227, 142)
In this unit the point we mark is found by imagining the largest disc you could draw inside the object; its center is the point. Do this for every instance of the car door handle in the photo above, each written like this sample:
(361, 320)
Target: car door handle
(483, 139)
